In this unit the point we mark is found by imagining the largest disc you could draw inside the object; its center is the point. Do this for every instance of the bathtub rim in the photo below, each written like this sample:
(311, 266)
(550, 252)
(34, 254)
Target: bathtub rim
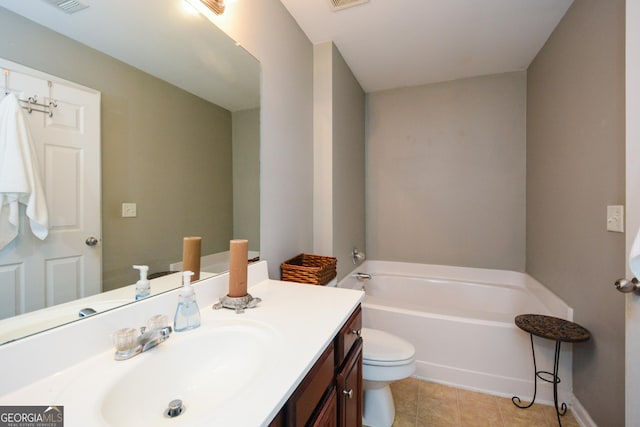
(487, 276)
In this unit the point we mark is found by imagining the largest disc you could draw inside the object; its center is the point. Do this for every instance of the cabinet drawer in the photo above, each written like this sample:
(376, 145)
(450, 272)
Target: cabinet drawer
(348, 335)
(310, 392)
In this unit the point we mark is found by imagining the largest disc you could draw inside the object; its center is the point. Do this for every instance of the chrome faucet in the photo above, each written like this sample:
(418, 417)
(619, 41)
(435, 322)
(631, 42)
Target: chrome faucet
(86, 312)
(129, 342)
(150, 339)
(361, 276)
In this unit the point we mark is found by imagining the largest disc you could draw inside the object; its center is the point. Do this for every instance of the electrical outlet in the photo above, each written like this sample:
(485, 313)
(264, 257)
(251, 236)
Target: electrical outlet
(615, 218)
(129, 210)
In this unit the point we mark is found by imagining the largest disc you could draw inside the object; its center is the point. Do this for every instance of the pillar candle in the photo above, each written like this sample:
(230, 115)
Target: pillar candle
(191, 256)
(238, 254)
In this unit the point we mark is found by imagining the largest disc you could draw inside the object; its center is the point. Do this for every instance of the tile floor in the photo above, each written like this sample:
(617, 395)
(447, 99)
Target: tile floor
(426, 404)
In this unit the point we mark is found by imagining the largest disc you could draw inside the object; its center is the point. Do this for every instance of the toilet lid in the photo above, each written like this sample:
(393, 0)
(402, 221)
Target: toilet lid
(380, 347)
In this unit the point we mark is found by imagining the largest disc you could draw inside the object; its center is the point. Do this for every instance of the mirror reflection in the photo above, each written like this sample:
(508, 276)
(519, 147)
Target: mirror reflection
(176, 143)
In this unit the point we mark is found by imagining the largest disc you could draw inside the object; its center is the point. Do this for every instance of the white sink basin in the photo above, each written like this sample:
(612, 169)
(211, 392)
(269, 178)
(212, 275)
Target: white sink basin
(204, 368)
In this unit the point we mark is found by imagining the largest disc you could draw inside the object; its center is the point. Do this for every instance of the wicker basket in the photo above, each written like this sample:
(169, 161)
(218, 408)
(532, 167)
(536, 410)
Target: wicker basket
(312, 269)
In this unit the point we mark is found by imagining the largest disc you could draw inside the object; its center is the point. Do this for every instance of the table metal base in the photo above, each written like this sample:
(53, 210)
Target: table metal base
(550, 377)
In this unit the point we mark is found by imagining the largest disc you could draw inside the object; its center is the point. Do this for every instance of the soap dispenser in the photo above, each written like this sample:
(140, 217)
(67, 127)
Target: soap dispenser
(143, 286)
(187, 314)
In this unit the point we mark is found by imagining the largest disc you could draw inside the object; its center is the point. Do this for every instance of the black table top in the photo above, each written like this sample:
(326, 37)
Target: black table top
(552, 328)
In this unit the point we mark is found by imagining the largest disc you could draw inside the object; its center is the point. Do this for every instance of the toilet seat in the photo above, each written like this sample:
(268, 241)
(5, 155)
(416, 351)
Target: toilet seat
(383, 349)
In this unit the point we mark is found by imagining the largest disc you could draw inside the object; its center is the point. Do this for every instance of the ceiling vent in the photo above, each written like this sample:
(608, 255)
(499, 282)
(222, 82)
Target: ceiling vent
(68, 6)
(343, 4)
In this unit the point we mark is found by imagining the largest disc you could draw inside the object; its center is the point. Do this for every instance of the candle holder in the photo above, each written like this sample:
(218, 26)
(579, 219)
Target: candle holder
(237, 303)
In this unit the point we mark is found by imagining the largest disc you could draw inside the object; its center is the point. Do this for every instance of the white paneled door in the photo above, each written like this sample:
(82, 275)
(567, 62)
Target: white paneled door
(67, 264)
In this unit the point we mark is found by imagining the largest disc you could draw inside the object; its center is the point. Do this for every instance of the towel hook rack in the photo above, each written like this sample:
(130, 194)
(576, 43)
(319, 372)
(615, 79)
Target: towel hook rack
(32, 101)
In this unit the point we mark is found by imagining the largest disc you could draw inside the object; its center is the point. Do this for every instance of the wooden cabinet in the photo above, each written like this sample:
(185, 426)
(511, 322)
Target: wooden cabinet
(310, 393)
(331, 393)
(348, 335)
(349, 388)
(328, 414)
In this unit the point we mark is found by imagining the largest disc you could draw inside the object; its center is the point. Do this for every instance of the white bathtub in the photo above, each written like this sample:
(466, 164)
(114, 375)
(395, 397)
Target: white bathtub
(461, 322)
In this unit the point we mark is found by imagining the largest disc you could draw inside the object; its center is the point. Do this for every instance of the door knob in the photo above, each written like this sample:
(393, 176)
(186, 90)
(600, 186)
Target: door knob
(627, 286)
(348, 393)
(91, 241)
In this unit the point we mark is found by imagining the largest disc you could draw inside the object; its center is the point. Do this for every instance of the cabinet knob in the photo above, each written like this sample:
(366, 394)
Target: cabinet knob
(357, 332)
(348, 393)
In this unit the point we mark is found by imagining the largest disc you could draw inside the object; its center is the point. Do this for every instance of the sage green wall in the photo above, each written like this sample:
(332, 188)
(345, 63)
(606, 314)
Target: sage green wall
(575, 168)
(246, 176)
(446, 173)
(162, 148)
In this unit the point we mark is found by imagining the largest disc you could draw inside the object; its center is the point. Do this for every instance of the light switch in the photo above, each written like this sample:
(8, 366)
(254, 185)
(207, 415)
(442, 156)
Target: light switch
(615, 218)
(129, 210)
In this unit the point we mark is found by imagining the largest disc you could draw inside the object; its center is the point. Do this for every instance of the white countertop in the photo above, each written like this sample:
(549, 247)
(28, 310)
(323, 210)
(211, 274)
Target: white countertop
(304, 317)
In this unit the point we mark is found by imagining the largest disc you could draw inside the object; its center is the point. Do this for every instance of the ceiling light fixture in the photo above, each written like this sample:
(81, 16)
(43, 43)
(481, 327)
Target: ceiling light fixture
(216, 6)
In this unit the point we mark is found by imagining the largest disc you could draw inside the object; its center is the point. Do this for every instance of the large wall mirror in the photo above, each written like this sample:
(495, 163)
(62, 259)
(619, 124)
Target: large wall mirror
(179, 126)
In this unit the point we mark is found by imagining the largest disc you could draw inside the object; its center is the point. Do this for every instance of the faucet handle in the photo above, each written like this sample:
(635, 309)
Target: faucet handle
(357, 256)
(126, 343)
(159, 321)
(125, 339)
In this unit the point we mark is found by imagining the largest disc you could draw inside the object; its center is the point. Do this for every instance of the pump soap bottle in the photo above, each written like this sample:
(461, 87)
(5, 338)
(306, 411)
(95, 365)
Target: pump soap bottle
(143, 286)
(187, 314)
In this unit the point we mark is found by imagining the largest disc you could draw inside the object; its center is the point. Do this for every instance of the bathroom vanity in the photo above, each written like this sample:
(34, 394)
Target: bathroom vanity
(332, 391)
(295, 359)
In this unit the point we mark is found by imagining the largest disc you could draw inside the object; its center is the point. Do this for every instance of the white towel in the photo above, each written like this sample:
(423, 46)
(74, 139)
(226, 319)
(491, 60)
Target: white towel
(19, 175)
(634, 257)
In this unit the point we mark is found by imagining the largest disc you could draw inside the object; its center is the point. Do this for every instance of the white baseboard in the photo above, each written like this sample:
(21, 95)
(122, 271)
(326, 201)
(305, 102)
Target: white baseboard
(491, 384)
(581, 415)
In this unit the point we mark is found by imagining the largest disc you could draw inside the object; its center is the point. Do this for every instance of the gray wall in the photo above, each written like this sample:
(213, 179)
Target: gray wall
(268, 32)
(162, 148)
(575, 168)
(446, 173)
(323, 149)
(339, 158)
(348, 164)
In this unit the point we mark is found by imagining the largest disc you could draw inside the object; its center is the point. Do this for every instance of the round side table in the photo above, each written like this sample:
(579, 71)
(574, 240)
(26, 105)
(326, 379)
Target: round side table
(560, 331)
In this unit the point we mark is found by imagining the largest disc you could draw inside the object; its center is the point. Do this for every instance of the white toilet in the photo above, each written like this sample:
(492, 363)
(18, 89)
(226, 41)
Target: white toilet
(386, 358)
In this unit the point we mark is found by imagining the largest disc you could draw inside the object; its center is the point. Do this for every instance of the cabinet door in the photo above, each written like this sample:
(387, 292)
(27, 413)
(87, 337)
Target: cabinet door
(278, 421)
(328, 416)
(349, 389)
(310, 392)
